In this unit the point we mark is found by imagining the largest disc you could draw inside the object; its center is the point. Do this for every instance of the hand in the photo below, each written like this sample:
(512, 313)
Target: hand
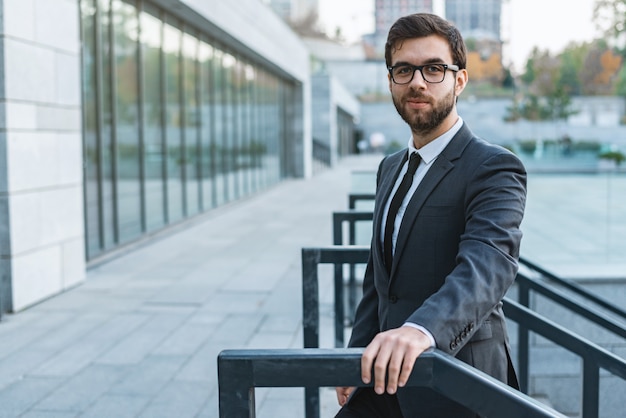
(342, 394)
(393, 352)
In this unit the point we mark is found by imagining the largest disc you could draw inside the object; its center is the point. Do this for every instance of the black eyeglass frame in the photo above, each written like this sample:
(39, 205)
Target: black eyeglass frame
(451, 67)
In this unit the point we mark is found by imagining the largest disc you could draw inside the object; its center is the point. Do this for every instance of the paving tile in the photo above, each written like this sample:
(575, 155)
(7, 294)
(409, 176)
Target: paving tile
(79, 392)
(118, 406)
(177, 399)
(148, 377)
(24, 394)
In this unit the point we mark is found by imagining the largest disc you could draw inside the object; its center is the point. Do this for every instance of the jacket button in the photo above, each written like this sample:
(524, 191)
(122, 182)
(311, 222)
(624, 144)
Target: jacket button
(393, 299)
(453, 345)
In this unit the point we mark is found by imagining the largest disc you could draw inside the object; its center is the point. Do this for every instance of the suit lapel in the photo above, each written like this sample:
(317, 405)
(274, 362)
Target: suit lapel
(388, 178)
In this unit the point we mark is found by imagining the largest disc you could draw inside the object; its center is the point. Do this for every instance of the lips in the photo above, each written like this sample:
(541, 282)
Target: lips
(417, 102)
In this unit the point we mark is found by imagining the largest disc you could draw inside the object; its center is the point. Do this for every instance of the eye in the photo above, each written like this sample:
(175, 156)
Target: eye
(403, 69)
(433, 69)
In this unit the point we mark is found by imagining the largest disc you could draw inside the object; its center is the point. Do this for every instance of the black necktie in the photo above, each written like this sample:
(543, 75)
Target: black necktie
(405, 185)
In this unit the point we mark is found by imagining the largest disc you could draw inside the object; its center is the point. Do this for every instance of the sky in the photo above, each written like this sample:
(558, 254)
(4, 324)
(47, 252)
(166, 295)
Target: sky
(548, 24)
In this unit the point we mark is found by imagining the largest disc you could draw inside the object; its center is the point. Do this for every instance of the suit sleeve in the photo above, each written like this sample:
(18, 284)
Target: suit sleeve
(486, 261)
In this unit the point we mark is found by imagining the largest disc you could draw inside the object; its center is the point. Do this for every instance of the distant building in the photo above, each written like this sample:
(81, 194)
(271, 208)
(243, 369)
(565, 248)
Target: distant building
(479, 21)
(481, 16)
(386, 12)
(294, 10)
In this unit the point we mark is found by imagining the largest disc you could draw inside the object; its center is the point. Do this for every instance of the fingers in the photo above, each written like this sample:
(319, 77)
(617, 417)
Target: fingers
(343, 393)
(392, 355)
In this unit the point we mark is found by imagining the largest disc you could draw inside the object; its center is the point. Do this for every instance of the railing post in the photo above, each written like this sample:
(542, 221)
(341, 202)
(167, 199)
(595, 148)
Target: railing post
(523, 340)
(339, 305)
(235, 389)
(591, 389)
(339, 293)
(310, 321)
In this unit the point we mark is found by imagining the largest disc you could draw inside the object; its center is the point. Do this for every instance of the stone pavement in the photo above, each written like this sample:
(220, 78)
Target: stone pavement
(141, 336)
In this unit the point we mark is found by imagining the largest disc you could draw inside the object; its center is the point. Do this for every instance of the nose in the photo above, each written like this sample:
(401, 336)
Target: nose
(418, 79)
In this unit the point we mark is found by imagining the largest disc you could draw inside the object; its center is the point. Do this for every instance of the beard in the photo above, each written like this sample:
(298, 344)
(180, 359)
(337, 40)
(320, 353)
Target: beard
(423, 122)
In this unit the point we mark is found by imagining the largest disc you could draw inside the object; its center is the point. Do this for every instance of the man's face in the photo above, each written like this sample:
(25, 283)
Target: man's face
(428, 108)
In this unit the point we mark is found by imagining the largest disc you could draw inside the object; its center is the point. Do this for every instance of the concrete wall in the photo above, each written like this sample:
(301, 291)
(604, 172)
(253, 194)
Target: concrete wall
(41, 214)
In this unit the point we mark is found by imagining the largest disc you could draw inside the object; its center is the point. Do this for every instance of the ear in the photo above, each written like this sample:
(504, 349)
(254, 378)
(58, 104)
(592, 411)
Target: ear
(462, 78)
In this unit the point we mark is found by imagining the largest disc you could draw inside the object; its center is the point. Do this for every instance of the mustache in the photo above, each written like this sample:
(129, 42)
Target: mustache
(417, 96)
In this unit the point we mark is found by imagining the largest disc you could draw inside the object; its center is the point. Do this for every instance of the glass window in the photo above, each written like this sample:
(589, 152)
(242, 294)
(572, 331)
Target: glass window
(246, 157)
(173, 123)
(207, 166)
(173, 115)
(91, 151)
(230, 125)
(219, 141)
(154, 151)
(126, 107)
(108, 216)
(191, 155)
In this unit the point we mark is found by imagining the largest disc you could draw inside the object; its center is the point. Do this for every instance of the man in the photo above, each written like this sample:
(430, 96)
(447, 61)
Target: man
(452, 247)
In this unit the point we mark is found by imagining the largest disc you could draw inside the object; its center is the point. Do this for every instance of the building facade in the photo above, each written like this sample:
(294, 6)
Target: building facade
(122, 118)
(294, 10)
(482, 16)
(386, 12)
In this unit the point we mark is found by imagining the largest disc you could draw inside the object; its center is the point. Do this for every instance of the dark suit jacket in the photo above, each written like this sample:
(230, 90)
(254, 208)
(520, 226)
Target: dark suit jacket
(456, 256)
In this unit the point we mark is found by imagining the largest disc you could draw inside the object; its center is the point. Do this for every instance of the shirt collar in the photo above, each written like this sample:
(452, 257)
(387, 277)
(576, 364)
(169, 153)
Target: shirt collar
(431, 151)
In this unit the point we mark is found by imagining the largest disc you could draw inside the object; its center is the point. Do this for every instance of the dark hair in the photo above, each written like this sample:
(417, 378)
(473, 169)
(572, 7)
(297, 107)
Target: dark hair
(420, 25)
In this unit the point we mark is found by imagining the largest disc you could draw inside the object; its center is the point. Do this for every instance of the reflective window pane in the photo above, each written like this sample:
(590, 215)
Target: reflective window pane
(126, 108)
(173, 122)
(191, 155)
(154, 150)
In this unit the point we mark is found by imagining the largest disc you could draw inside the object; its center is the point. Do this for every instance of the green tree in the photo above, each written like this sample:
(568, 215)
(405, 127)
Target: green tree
(529, 71)
(572, 59)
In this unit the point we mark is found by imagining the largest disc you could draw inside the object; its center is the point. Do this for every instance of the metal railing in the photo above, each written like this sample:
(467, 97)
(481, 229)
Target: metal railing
(353, 198)
(311, 259)
(351, 217)
(525, 285)
(594, 357)
(576, 288)
(240, 371)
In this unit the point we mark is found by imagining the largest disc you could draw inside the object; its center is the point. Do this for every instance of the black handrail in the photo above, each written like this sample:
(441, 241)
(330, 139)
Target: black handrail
(575, 287)
(355, 197)
(593, 356)
(240, 371)
(607, 322)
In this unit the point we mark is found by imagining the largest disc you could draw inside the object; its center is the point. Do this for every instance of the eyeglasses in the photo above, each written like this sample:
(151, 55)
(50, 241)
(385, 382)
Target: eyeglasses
(431, 73)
